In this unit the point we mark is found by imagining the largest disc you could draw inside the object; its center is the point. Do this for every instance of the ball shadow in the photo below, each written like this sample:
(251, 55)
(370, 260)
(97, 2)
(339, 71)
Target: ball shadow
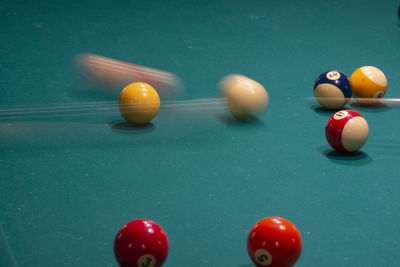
(357, 158)
(380, 107)
(125, 127)
(233, 122)
(324, 111)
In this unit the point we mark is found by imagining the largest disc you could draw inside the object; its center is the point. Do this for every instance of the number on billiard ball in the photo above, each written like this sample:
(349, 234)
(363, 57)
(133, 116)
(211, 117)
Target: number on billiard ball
(147, 260)
(263, 257)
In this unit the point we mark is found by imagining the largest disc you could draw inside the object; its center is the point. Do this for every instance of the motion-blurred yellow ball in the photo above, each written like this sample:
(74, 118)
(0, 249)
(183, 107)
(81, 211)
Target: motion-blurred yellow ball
(246, 97)
(139, 103)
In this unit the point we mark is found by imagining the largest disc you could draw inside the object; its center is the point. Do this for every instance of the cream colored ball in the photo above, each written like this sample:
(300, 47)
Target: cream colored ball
(246, 98)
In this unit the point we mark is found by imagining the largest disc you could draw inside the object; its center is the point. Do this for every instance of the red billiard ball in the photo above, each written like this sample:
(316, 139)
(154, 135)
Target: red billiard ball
(141, 243)
(274, 242)
(346, 131)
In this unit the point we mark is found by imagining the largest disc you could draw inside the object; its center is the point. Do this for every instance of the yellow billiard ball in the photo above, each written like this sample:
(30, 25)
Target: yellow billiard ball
(139, 103)
(246, 98)
(368, 82)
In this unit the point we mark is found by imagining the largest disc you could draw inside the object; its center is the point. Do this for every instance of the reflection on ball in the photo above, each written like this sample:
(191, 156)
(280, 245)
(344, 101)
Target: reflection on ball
(139, 103)
(246, 97)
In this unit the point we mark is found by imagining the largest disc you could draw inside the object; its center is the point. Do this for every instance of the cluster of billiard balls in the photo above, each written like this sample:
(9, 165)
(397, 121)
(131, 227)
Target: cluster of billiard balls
(273, 242)
(333, 89)
(139, 102)
(347, 130)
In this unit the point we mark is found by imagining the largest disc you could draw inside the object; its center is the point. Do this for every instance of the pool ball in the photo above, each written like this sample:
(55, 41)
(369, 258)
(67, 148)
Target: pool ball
(246, 98)
(332, 89)
(139, 103)
(229, 81)
(368, 82)
(274, 242)
(346, 131)
(141, 243)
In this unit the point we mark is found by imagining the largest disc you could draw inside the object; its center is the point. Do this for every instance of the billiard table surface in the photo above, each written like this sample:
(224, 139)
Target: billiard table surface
(69, 181)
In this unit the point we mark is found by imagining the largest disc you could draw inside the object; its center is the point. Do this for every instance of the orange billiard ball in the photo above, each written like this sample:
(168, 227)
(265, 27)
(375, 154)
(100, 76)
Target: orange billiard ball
(274, 242)
(141, 243)
(139, 103)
